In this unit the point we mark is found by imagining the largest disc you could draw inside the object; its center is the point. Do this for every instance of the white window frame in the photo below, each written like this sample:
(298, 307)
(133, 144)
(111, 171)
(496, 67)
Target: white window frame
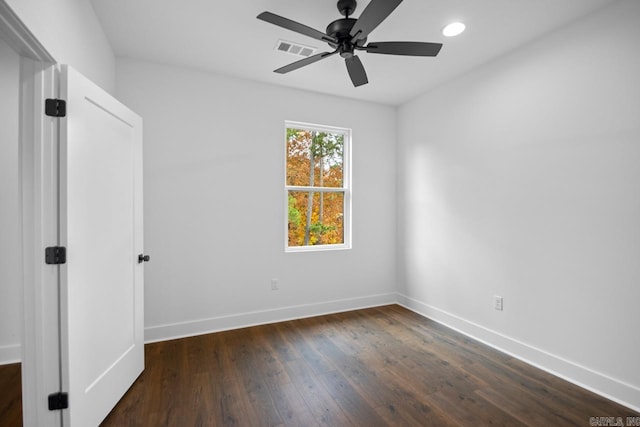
(346, 187)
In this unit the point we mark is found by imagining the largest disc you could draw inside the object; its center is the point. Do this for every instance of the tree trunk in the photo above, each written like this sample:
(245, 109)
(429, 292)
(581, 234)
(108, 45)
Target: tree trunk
(321, 208)
(307, 229)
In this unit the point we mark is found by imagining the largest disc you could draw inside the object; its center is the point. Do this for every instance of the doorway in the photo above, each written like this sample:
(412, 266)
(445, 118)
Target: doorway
(26, 146)
(10, 239)
(51, 182)
(31, 176)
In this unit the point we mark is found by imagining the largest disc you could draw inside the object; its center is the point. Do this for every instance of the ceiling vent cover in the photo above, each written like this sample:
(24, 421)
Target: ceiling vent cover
(295, 48)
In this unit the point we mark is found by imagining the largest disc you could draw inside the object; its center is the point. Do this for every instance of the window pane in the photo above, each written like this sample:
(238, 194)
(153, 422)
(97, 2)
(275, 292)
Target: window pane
(316, 218)
(314, 158)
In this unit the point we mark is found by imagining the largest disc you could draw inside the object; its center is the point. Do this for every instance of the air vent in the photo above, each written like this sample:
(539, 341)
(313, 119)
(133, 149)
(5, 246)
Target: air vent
(295, 48)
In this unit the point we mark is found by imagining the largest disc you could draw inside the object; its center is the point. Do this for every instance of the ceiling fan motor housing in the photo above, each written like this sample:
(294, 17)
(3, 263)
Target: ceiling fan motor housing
(340, 30)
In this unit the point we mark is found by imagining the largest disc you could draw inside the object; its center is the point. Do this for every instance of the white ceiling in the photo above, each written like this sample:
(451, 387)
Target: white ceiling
(225, 37)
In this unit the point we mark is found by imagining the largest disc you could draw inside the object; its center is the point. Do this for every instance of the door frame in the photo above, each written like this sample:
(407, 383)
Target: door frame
(38, 178)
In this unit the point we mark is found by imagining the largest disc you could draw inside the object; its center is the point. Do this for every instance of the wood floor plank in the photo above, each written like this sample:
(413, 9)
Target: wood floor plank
(292, 407)
(469, 409)
(528, 409)
(300, 336)
(374, 367)
(283, 349)
(396, 414)
(325, 410)
(266, 360)
(236, 369)
(351, 402)
(359, 375)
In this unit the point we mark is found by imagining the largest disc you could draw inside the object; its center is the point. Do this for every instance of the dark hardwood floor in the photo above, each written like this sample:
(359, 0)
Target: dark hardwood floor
(10, 395)
(374, 367)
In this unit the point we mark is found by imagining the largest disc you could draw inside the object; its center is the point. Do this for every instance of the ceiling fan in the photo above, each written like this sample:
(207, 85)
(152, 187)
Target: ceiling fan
(348, 35)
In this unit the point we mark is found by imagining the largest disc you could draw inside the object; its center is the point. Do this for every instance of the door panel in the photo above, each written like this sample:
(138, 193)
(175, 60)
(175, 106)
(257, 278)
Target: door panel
(101, 226)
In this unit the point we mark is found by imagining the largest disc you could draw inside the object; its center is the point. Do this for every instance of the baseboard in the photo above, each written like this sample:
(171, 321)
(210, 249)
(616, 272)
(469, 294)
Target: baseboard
(243, 320)
(611, 388)
(10, 354)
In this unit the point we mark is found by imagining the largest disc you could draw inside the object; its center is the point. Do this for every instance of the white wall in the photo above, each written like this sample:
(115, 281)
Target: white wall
(10, 263)
(72, 34)
(214, 208)
(522, 179)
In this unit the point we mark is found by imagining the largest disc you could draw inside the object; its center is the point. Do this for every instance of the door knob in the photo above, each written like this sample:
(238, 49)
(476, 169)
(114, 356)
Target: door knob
(143, 258)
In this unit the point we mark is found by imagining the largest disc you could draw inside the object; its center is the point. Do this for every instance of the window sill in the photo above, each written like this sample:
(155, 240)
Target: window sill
(316, 248)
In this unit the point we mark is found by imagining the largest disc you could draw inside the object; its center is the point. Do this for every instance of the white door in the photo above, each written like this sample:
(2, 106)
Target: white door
(101, 284)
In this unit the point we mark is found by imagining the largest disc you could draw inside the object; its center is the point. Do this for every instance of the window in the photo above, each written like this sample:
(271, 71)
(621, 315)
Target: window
(317, 187)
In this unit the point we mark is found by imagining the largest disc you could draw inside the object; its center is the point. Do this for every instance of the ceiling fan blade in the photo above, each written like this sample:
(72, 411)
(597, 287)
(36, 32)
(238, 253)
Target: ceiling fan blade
(404, 48)
(280, 21)
(376, 12)
(356, 71)
(303, 62)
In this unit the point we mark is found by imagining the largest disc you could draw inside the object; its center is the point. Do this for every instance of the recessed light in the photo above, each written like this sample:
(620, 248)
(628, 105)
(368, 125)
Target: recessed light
(453, 29)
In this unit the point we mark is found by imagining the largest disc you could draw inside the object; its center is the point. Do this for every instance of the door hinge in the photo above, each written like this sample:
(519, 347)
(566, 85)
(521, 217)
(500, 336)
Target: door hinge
(55, 255)
(58, 401)
(55, 107)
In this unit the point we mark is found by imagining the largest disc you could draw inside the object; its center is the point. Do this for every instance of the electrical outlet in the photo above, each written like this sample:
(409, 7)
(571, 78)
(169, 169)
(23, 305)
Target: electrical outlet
(497, 302)
(274, 284)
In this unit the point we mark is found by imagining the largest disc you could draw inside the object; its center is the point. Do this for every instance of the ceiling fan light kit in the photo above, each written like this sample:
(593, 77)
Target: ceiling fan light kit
(347, 35)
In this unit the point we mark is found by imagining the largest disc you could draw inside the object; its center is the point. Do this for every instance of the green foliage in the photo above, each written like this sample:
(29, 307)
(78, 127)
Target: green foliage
(328, 146)
(320, 229)
(294, 214)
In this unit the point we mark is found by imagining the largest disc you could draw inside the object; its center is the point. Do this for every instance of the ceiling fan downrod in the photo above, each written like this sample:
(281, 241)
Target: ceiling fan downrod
(347, 7)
